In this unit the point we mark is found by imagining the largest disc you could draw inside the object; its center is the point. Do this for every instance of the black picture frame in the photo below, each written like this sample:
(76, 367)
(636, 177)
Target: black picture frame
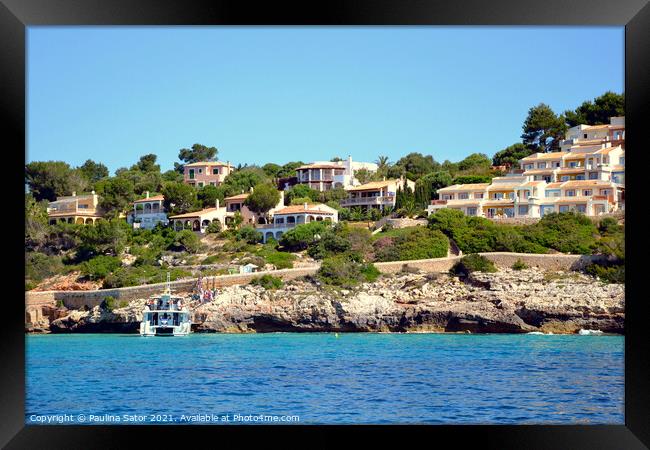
(16, 15)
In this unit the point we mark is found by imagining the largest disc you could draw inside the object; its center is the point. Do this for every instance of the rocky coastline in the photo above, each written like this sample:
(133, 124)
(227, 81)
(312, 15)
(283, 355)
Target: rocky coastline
(508, 301)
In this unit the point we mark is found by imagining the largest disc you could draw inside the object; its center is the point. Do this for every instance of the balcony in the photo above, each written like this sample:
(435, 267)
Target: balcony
(378, 200)
(438, 202)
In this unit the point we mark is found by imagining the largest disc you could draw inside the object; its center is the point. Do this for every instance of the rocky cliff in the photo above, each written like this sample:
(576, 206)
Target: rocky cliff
(504, 302)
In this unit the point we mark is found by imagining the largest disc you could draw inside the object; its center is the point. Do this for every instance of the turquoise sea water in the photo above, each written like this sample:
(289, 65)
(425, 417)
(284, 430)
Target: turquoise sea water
(324, 379)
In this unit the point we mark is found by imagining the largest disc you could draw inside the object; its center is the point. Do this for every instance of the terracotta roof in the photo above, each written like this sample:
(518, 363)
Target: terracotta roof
(570, 170)
(150, 199)
(597, 127)
(585, 183)
(503, 186)
(194, 214)
(237, 197)
(465, 187)
(538, 171)
(373, 185)
(312, 208)
(536, 156)
(320, 166)
(606, 150)
(532, 183)
(555, 185)
(502, 202)
(206, 163)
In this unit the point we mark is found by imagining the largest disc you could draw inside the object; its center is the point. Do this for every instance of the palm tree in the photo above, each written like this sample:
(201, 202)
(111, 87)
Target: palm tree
(382, 162)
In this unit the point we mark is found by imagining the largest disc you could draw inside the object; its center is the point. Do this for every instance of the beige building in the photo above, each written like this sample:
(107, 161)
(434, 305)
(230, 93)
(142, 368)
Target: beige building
(79, 209)
(376, 194)
(206, 173)
(326, 175)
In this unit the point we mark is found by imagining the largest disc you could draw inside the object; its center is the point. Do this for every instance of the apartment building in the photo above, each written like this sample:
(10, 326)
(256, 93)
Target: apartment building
(326, 175)
(588, 135)
(376, 194)
(79, 209)
(289, 217)
(206, 173)
(520, 197)
(148, 212)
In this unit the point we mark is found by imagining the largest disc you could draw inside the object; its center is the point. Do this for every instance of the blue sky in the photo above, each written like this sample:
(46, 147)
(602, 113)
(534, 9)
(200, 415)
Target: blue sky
(279, 94)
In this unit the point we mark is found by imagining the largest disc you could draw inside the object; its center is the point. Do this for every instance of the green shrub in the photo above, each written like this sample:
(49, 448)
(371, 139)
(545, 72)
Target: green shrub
(519, 265)
(39, 266)
(267, 281)
(214, 227)
(249, 235)
(345, 271)
(212, 259)
(567, 232)
(607, 272)
(301, 236)
(281, 260)
(473, 263)
(108, 304)
(135, 276)
(410, 243)
(186, 240)
(99, 267)
(123, 304)
(29, 285)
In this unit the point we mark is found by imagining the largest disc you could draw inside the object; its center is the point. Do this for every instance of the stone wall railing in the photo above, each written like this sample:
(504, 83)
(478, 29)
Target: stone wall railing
(79, 299)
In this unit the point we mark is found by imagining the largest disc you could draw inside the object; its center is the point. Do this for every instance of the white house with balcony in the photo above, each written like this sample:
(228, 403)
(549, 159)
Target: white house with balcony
(376, 194)
(291, 216)
(148, 212)
(326, 175)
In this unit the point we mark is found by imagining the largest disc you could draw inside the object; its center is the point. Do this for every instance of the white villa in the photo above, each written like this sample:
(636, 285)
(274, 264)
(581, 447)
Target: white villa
(287, 218)
(79, 209)
(325, 175)
(148, 212)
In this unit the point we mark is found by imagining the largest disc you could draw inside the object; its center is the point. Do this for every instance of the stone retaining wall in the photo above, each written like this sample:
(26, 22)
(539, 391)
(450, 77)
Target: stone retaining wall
(79, 299)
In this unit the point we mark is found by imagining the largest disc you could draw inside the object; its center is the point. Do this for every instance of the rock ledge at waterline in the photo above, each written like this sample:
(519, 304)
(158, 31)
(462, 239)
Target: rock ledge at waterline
(504, 302)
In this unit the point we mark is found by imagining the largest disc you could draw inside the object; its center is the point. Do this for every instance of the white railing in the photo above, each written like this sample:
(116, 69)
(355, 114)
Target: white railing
(368, 200)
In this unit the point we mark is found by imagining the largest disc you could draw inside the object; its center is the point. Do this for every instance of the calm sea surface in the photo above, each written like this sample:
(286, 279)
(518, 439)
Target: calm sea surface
(321, 378)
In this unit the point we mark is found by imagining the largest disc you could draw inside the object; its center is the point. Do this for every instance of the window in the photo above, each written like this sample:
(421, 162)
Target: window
(200, 170)
(605, 192)
(478, 194)
(447, 196)
(547, 178)
(82, 206)
(463, 196)
(523, 210)
(471, 211)
(587, 192)
(573, 164)
(585, 135)
(580, 177)
(621, 160)
(571, 193)
(200, 184)
(593, 175)
(581, 208)
(215, 171)
(339, 172)
(529, 166)
(564, 178)
(212, 183)
(564, 208)
(498, 195)
(556, 164)
(191, 174)
(541, 165)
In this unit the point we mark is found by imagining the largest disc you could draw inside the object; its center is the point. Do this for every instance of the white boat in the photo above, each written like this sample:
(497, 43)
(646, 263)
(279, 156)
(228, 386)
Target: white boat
(166, 315)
